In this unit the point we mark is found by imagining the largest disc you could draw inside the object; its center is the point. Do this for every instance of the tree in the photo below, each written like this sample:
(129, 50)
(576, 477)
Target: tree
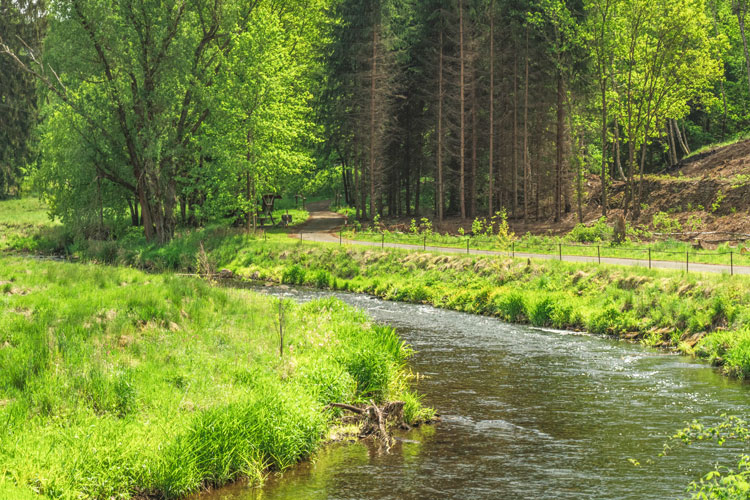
(665, 57)
(22, 28)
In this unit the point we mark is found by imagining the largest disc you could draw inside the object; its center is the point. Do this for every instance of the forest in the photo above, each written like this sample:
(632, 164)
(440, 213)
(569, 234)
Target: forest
(520, 263)
(167, 114)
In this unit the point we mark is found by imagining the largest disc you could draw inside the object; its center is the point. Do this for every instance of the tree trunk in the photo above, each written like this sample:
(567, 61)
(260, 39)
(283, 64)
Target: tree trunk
(604, 148)
(526, 172)
(618, 163)
(462, 103)
(474, 134)
(559, 167)
(417, 187)
(407, 170)
(680, 138)
(515, 134)
(580, 162)
(491, 161)
(372, 117)
(439, 195)
(671, 143)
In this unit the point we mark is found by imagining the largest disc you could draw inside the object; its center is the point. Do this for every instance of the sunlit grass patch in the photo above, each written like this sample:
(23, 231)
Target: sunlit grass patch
(115, 383)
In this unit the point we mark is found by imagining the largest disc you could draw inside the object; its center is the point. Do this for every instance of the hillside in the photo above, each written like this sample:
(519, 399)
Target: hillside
(706, 192)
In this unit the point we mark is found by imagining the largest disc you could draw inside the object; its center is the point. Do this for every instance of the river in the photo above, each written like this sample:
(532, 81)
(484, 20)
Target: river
(526, 413)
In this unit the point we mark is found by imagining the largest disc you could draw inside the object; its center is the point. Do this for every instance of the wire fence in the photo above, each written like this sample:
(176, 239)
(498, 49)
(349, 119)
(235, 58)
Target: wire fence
(721, 261)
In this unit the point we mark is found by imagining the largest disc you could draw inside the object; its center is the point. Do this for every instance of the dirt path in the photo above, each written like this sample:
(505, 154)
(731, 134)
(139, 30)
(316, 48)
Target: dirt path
(323, 226)
(321, 221)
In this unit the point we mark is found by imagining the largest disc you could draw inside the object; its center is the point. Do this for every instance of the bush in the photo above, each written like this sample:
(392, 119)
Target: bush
(600, 231)
(540, 313)
(665, 223)
(322, 279)
(293, 275)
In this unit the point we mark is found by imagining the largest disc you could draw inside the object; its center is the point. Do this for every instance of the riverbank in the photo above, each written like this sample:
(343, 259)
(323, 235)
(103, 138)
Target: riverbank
(700, 314)
(115, 383)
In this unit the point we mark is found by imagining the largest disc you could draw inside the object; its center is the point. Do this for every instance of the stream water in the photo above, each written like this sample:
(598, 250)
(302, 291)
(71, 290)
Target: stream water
(526, 413)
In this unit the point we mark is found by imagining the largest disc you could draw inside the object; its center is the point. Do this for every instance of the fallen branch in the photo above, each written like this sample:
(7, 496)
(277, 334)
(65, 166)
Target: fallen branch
(706, 233)
(344, 406)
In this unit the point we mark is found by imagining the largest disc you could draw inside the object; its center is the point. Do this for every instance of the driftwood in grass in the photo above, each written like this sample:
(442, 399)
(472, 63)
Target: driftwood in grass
(375, 420)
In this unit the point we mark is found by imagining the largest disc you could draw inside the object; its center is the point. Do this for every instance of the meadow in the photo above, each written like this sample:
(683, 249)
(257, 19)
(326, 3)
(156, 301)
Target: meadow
(115, 383)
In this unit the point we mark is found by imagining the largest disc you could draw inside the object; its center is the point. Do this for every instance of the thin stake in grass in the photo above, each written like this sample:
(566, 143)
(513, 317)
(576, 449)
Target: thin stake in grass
(281, 328)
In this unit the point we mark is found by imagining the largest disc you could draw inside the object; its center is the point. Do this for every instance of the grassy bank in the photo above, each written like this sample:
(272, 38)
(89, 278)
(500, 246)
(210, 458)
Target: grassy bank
(704, 315)
(25, 227)
(120, 384)
(595, 247)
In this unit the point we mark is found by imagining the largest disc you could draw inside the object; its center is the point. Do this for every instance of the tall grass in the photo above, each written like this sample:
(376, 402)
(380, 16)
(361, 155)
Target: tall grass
(119, 384)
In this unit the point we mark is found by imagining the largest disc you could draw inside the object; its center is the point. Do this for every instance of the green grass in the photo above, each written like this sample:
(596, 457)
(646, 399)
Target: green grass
(739, 138)
(26, 227)
(668, 250)
(116, 384)
(23, 219)
(657, 307)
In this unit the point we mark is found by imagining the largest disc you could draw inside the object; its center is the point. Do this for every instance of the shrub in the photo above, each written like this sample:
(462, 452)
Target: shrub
(322, 279)
(665, 223)
(600, 231)
(293, 275)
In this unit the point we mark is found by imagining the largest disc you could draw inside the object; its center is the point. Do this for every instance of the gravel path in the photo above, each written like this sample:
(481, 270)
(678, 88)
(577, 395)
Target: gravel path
(323, 226)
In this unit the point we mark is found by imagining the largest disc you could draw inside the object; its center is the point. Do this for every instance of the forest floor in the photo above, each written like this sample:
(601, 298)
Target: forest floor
(706, 192)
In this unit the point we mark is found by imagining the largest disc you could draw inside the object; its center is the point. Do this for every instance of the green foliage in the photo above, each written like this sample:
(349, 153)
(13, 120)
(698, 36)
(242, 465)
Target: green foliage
(599, 232)
(665, 223)
(293, 275)
(716, 205)
(724, 482)
(22, 27)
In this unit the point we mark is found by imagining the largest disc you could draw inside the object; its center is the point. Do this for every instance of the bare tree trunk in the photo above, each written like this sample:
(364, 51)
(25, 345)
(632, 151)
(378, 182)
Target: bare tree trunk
(526, 170)
(439, 195)
(515, 134)
(618, 163)
(462, 102)
(672, 147)
(681, 138)
(580, 162)
(474, 134)
(559, 167)
(492, 109)
(418, 186)
(372, 117)
(604, 148)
